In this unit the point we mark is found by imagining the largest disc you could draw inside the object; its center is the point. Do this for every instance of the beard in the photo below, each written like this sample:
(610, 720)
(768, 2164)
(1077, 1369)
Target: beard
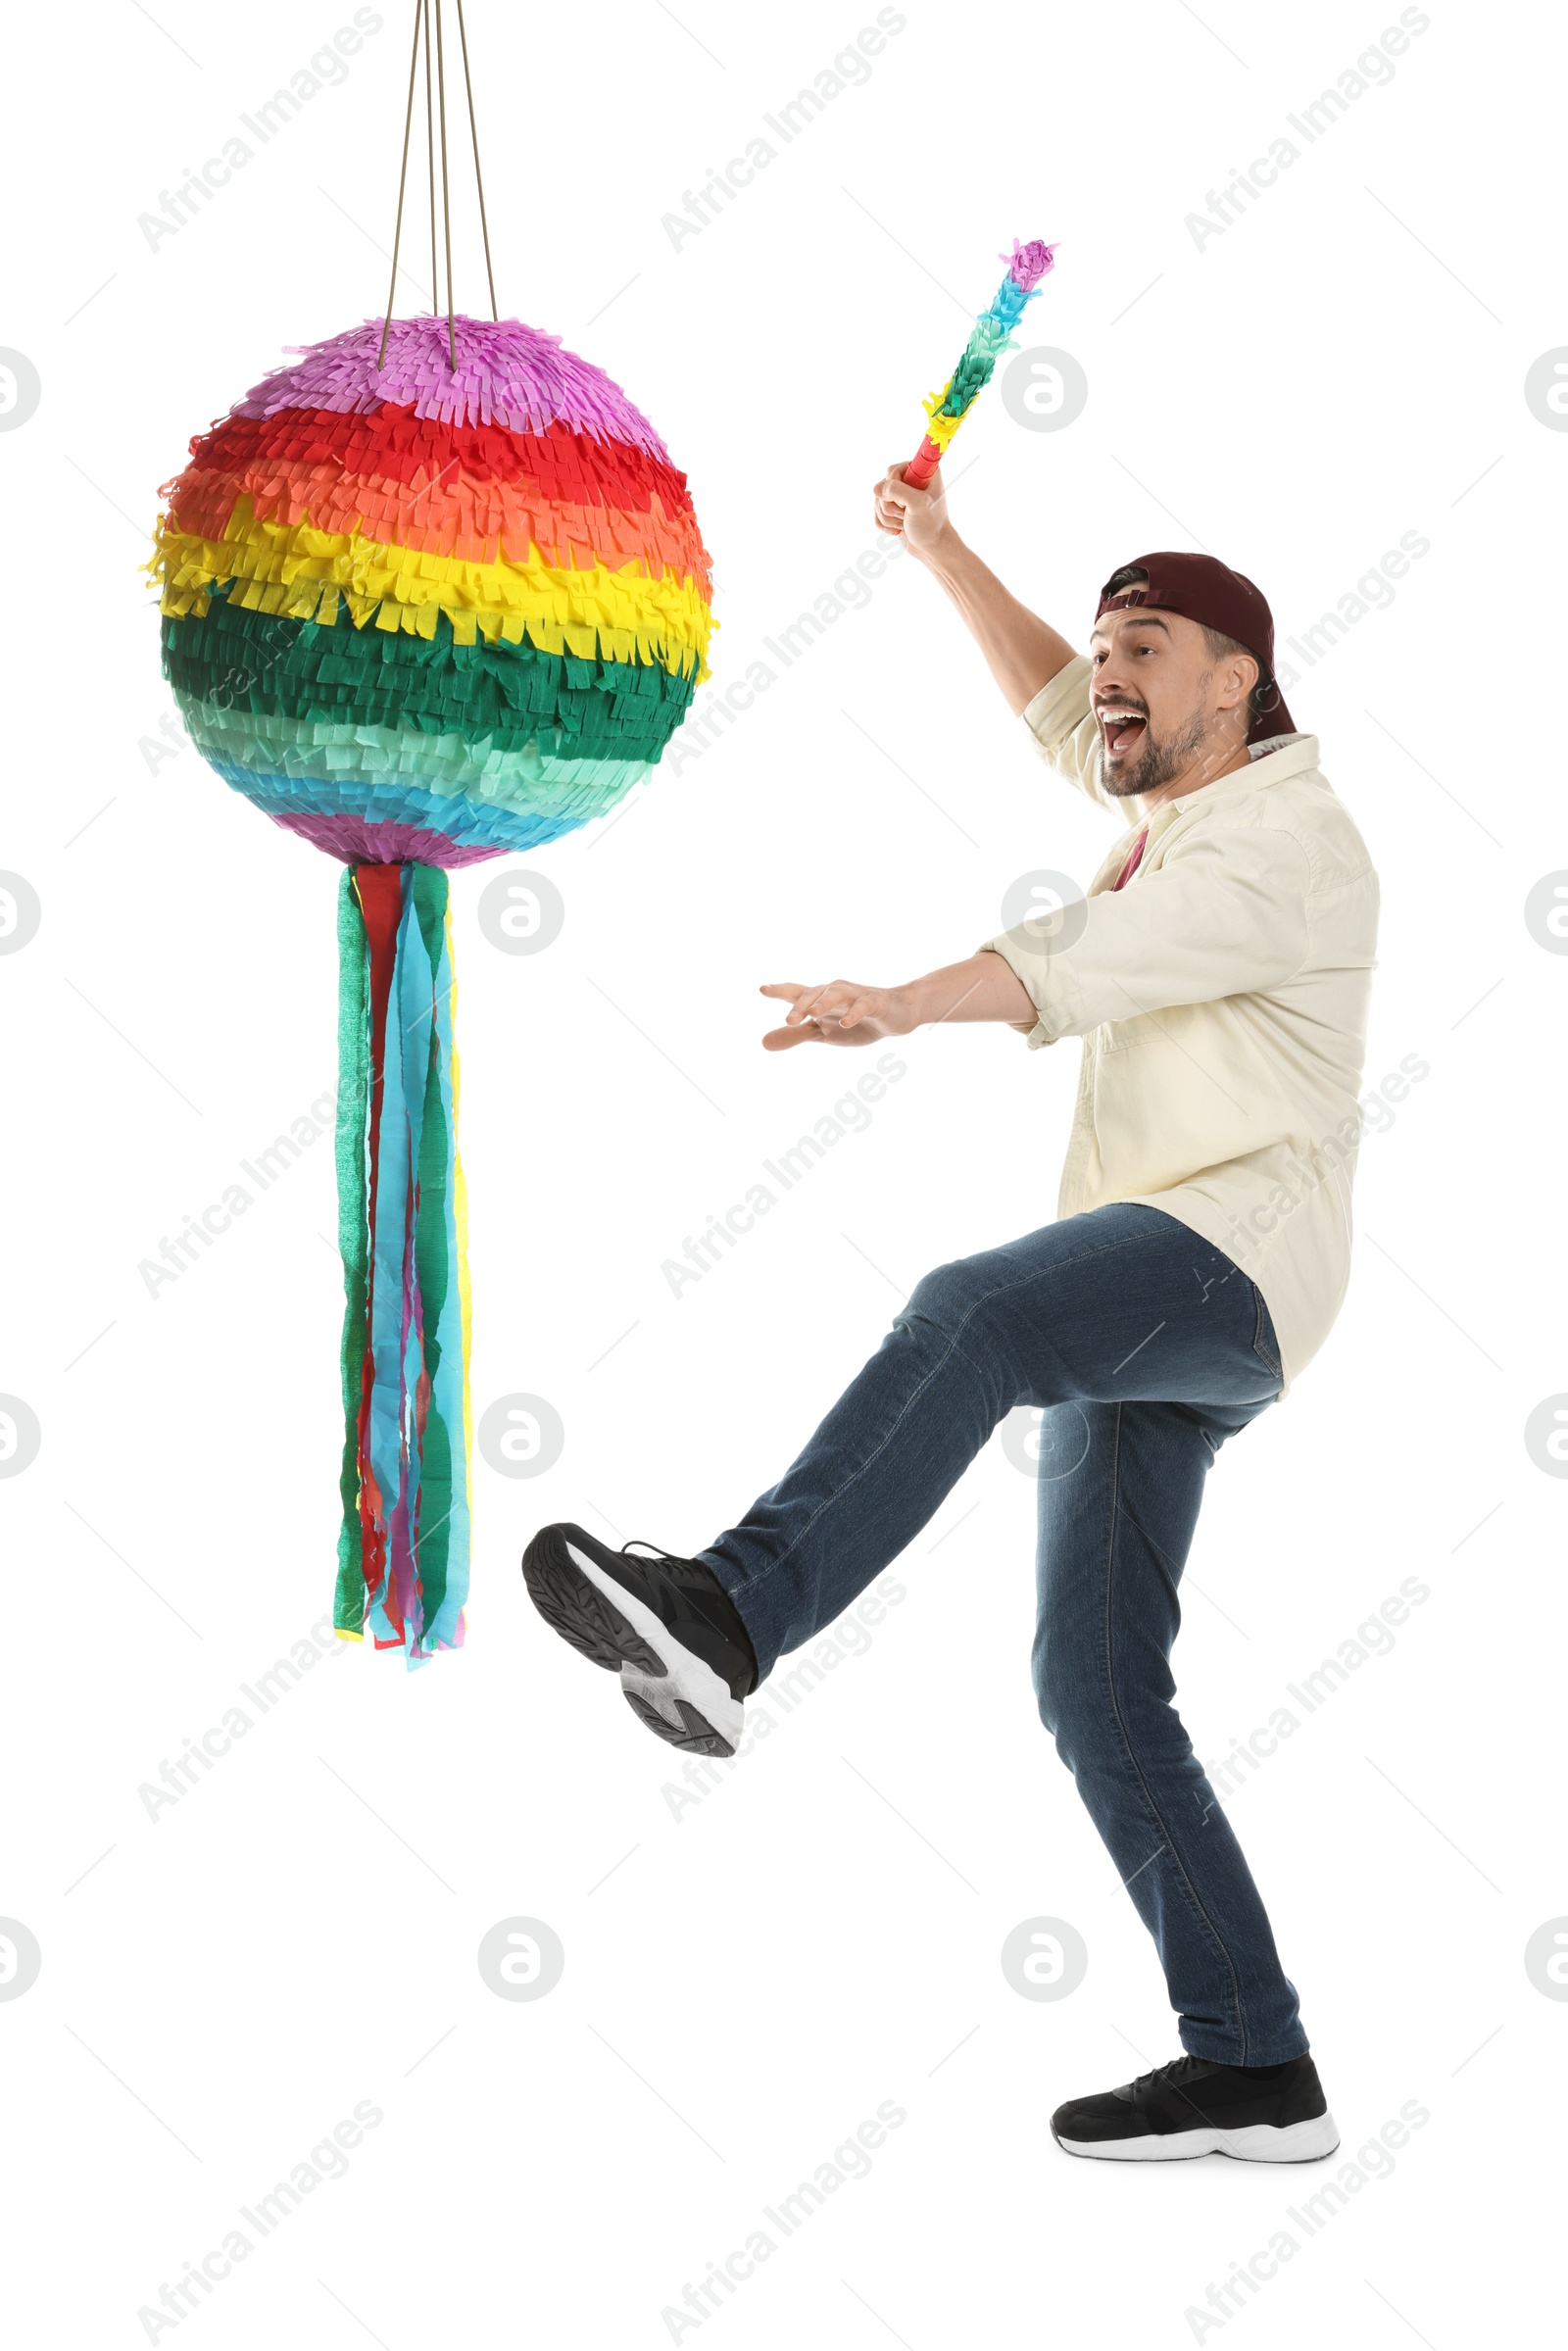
(1161, 758)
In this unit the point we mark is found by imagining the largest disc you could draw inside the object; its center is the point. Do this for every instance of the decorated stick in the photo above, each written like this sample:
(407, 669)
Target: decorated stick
(992, 336)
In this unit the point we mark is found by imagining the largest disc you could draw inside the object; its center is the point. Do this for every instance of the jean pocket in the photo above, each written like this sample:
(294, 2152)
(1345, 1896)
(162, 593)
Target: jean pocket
(1266, 1347)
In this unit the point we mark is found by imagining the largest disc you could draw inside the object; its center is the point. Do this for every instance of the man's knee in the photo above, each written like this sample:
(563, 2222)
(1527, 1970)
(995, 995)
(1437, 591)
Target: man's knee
(947, 1296)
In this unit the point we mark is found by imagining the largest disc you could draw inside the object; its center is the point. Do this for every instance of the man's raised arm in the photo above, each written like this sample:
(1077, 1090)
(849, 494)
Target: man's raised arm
(1022, 651)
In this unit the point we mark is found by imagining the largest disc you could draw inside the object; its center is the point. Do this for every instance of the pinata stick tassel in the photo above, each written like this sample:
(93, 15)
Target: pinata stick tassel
(993, 335)
(405, 1489)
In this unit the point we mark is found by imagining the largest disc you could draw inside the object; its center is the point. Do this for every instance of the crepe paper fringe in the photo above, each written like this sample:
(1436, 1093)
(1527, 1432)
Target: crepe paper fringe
(438, 613)
(402, 1549)
(398, 450)
(473, 492)
(359, 840)
(924, 462)
(459, 818)
(377, 761)
(296, 569)
(508, 375)
(506, 697)
(330, 751)
(993, 334)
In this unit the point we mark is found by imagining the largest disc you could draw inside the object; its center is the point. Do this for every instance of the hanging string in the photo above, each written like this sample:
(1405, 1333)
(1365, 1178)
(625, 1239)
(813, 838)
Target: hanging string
(403, 175)
(435, 101)
(430, 141)
(478, 175)
(446, 199)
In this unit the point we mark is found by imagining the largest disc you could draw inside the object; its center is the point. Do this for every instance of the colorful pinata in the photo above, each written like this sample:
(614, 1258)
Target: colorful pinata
(418, 615)
(947, 410)
(421, 615)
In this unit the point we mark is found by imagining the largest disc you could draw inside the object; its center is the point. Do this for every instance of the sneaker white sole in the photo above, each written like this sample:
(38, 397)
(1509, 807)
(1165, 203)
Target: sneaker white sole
(1254, 2142)
(685, 1677)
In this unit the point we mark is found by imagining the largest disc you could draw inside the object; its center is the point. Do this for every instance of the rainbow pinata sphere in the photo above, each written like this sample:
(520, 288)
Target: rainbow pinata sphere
(418, 615)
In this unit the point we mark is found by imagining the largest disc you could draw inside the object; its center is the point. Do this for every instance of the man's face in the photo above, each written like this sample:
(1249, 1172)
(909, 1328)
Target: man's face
(1162, 699)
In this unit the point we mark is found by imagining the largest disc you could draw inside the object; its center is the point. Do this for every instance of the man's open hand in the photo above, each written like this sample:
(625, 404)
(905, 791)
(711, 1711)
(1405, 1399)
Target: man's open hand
(838, 1012)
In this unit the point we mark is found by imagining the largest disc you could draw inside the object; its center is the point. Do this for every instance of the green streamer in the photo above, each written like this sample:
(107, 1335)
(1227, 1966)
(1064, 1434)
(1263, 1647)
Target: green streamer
(352, 1231)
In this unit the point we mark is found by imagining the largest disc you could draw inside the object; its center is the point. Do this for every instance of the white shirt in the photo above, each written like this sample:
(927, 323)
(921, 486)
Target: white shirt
(1222, 1000)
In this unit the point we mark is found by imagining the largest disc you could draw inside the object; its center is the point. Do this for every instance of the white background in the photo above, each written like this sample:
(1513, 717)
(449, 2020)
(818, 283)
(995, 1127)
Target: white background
(818, 1934)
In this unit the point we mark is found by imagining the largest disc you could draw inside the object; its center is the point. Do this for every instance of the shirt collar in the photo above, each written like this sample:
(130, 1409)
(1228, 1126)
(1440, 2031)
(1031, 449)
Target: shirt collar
(1269, 763)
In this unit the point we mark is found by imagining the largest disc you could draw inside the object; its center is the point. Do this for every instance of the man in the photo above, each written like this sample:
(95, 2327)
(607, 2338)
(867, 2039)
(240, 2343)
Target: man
(1218, 972)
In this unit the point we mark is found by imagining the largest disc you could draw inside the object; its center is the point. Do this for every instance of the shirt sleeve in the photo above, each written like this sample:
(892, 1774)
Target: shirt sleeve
(1063, 731)
(1226, 913)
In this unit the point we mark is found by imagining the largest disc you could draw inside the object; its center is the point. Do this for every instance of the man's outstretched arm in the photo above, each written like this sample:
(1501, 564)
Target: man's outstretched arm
(844, 1013)
(1023, 652)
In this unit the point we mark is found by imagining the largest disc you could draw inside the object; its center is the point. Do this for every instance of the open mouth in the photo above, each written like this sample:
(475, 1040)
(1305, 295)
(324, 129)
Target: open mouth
(1122, 729)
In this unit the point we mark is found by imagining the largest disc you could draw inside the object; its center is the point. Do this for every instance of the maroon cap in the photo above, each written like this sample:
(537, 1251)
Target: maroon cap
(1201, 588)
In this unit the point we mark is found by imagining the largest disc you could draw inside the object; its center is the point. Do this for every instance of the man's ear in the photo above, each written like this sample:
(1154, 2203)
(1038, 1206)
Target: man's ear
(1242, 674)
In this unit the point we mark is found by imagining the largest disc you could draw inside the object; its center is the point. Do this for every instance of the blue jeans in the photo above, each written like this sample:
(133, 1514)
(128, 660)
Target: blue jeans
(1146, 1348)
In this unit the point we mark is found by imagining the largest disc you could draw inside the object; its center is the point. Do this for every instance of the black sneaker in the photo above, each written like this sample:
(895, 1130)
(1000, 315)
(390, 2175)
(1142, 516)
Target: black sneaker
(667, 1625)
(1264, 2114)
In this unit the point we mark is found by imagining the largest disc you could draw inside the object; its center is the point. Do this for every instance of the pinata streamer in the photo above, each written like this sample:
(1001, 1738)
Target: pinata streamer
(947, 410)
(430, 593)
